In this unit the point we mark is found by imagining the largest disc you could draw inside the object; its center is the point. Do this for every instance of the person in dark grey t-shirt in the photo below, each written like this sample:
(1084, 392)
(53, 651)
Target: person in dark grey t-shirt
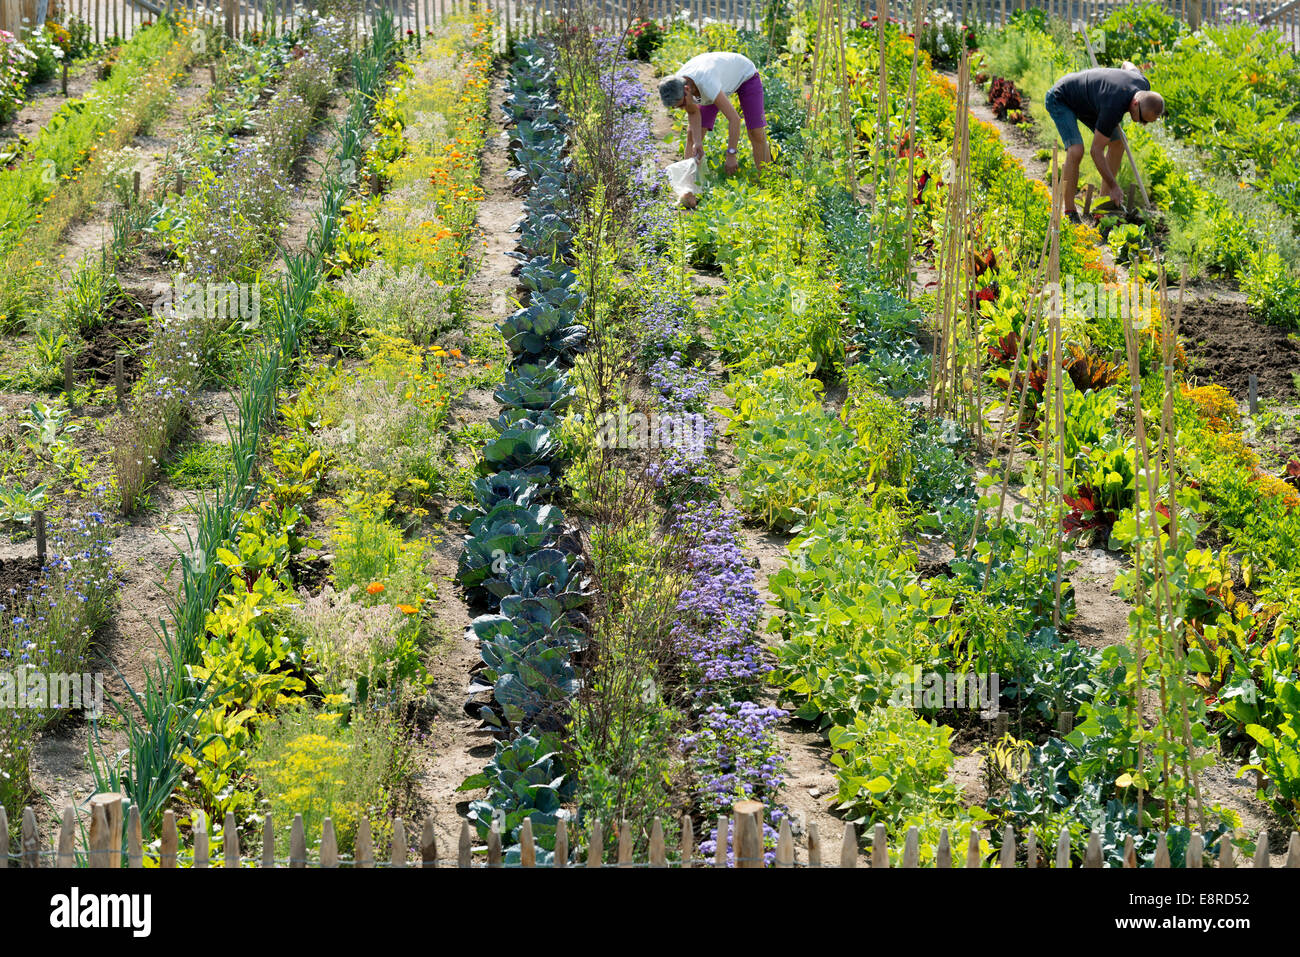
(1100, 98)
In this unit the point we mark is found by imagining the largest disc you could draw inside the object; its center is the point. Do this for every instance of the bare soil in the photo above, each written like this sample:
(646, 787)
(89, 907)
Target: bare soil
(98, 357)
(1225, 344)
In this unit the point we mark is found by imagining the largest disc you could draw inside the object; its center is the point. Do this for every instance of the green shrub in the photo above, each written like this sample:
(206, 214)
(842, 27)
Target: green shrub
(1135, 32)
(1273, 289)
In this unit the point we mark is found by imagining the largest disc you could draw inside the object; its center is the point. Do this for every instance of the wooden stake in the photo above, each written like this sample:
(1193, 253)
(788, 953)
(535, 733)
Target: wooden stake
(38, 520)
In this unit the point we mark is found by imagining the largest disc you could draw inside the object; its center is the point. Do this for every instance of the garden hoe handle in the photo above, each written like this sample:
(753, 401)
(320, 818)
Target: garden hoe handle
(1128, 150)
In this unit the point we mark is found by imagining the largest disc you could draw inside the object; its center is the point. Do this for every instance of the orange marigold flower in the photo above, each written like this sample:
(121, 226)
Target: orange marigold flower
(407, 609)
(374, 588)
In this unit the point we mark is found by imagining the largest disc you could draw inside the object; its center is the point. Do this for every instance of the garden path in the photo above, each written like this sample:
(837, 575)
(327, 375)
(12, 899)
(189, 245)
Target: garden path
(458, 747)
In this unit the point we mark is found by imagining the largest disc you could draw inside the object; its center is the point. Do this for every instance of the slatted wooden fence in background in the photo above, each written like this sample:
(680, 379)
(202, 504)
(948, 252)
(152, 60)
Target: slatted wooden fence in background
(121, 18)
(103, 846)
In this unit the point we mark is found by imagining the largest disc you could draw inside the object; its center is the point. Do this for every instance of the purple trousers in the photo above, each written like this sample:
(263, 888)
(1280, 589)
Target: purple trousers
(750, 94)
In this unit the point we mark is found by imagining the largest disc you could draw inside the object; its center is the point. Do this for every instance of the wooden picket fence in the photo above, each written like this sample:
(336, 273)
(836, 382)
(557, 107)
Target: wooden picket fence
(104, 842)
(121, 18)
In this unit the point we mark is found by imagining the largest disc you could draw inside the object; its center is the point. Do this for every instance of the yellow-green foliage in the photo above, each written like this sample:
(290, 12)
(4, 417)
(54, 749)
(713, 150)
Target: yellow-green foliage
(310, 763)
(372, 554)
(381, 427)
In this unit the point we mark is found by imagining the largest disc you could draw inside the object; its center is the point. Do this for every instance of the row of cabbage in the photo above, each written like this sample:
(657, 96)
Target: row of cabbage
(519, 558)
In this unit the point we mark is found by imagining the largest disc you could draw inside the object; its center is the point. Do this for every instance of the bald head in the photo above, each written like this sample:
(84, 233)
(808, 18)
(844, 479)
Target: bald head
(1150, 106)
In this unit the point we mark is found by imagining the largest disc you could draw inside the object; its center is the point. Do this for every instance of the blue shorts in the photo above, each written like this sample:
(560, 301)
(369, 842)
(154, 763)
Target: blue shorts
(1067, 124)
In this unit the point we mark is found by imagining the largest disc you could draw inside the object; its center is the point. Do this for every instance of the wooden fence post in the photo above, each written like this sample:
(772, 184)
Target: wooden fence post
(1092, 856)
(658, 855)
(364, 855)
(67, 856)
(561, 843)
(329, 845)
(879, 846)
(268, 842)
(527, 846)
(297, 843)
(1063, 849)
(912, 848)
(111, 849)
(167, 849)
(1225, 853)
(465, 848)
(200, 832)
(229, 841)
(849, 847)
(1007, 854)
(494, 844)
(625, 844)
(1162, 851)
(134, 840)
(785, 845)
(747, 839)
(428, 844)
(398, 858)
(31, 837)
(1261, 850)
(596, 846)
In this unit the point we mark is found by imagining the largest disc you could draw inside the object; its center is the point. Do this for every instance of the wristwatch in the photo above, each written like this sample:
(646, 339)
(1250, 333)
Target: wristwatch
(731, 151)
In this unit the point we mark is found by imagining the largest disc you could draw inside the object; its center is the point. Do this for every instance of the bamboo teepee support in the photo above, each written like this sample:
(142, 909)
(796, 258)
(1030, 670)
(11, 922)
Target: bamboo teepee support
(911, 154)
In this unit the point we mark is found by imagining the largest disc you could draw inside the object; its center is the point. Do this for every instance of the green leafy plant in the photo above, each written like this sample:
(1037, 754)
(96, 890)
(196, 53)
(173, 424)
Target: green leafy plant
(892, 763)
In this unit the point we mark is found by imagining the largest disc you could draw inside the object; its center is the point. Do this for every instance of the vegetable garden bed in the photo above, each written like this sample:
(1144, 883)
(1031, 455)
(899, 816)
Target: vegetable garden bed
(512, 498)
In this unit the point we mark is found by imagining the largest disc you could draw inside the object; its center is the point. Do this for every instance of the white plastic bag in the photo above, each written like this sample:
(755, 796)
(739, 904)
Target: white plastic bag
(683, 176)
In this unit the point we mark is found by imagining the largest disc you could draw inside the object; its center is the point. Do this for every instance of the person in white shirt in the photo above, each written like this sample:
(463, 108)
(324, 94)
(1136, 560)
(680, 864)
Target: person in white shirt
(703, 87)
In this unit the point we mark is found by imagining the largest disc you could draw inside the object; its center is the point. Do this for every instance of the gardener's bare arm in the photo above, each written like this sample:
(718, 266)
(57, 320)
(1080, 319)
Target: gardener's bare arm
(723, 103)
(694, 131)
